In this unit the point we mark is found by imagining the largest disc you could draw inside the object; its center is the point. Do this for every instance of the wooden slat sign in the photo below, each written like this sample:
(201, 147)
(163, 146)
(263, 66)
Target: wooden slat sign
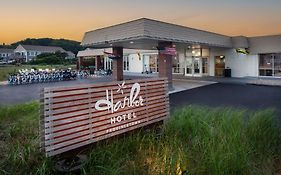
(72, 117)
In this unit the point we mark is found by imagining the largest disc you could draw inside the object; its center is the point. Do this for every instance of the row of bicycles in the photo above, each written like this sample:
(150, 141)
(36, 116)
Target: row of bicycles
(43, 76)
(102, 72)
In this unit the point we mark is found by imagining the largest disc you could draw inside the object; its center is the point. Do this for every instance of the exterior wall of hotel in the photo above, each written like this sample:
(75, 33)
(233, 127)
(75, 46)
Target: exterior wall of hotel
(265, 44)
(135, 63)
(141, 64)
(241, 65)
(181, 56)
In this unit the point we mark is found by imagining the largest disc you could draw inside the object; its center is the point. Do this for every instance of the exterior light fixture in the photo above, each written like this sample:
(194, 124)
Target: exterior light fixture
(131, 42)
(243, 51)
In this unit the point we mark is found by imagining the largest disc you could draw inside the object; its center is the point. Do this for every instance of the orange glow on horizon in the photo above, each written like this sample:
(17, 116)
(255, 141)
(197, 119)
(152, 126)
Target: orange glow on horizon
(70, 19)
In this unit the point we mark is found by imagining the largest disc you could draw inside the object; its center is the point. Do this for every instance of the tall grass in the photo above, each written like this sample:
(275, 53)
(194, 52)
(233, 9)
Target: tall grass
(196, 140)
(19, 143)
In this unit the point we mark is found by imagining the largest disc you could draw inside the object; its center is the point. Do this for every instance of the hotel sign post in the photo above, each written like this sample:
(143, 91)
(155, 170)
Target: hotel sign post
(72, 117)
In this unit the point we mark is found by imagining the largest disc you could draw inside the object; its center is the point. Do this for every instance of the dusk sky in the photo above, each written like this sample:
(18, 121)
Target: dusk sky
(70, 19)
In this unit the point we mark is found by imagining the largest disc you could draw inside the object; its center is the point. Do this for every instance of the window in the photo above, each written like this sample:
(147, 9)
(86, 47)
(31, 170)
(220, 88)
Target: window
(196, 52)
(205, 66)
(266, 65)
(270, 65)
(205, 52)
(277, 65)
(153, 64)
(126, 63)
(107, 62)
(178, 64)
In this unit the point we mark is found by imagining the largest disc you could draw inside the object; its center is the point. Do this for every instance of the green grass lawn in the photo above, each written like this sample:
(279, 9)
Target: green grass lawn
(195, 139)
(5, 70)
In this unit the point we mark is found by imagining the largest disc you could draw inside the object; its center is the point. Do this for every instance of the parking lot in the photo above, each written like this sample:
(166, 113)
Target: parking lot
(243, 96)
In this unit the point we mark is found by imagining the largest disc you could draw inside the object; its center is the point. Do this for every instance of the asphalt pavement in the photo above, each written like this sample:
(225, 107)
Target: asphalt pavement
(236, 95)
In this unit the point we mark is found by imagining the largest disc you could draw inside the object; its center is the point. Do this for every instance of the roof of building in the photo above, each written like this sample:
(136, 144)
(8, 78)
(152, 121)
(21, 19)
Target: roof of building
(265, 44)
(148, 29)
(69, 53)
(4, 50)
(43, 48)
(147, 33)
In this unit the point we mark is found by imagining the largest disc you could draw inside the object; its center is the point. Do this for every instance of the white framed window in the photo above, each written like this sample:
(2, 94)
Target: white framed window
(126, 63)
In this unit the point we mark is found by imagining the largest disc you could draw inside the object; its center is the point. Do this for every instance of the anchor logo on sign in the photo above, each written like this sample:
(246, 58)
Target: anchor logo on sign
(121, 87)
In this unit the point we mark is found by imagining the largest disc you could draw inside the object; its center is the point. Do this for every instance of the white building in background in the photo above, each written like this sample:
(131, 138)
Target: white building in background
(70, 55)
(29, 52)
(6, 53)
(199, 53)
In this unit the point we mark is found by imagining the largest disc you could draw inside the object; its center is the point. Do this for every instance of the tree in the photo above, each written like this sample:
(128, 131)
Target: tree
(52, 58)
(69, 45)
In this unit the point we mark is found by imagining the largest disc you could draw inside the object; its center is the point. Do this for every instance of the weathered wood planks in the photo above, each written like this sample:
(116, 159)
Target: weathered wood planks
(72, 117)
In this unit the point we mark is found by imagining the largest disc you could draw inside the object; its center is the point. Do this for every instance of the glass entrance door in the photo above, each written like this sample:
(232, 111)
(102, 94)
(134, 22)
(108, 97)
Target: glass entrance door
(197, 68)
(205, 68)
(219, 66)
(188, 67)
(197, 61)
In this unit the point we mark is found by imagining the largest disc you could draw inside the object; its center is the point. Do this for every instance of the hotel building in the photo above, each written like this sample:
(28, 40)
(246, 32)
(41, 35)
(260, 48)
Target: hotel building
(198, 52)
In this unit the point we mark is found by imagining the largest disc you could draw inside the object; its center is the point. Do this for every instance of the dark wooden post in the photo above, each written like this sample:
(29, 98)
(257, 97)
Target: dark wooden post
(98, 62)
(165, 64)
(117, 64)
(79, 63)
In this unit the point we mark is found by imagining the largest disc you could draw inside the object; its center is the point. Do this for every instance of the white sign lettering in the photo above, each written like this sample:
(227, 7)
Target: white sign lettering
(132, 101)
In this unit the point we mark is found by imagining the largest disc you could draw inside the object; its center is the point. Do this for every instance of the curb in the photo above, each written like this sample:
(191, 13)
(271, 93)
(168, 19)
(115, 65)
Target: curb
(260, 84)
(3, 83)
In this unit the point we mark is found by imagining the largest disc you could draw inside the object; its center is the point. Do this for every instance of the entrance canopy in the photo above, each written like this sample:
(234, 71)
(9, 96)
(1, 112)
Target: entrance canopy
(98, 52)
(151, 35)
(146, 34)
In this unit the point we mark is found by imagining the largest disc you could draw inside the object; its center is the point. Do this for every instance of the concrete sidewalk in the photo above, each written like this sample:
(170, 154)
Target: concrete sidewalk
(3, 83)
(182, 85)
(269, 81)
